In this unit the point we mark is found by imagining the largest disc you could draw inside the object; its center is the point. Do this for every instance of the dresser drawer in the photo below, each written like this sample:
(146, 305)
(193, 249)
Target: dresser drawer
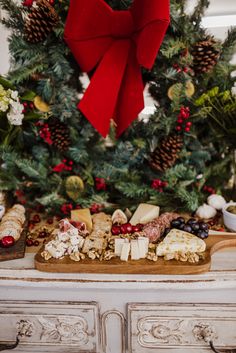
(50, 327)
(180, 328)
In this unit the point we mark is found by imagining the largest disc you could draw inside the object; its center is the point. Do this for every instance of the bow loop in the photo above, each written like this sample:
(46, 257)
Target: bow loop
(122, 24)
(116, 43)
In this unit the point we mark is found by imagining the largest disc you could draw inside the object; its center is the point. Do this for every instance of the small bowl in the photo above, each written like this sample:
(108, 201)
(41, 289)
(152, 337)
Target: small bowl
(229, 218)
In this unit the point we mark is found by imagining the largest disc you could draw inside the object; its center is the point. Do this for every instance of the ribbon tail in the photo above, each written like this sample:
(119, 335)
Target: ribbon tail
(100, 99)
(131, 100)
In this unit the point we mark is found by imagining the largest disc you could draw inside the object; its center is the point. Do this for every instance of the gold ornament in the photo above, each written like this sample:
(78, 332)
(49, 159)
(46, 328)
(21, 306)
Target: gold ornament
(41, 105)
(175, 90)
(74, 187)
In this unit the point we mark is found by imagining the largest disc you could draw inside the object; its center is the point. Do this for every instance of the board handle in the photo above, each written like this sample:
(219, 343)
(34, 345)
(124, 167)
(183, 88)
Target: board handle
(221, 351)
(225, 241)
(6, 347)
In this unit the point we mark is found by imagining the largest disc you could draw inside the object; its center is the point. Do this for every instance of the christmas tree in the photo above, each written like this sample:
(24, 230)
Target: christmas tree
(58, 161)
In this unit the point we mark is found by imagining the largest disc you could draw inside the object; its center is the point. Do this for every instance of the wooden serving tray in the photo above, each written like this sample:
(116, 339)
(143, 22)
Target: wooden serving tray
(144, 266)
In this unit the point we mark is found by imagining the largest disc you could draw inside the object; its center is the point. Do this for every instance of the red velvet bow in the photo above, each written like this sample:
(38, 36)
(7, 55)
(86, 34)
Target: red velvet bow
(117, 43)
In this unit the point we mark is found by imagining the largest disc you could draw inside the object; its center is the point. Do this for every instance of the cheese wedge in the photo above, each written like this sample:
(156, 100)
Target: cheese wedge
(118, 245)
(135, 255)
(145, 213)
(180, 241)
(125, 252)
(143, 243)
(83, 216)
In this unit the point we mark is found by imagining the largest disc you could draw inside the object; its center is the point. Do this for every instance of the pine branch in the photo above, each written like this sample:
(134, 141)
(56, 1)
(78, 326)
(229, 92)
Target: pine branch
(199, 11)
(229, 45)
(15, 19)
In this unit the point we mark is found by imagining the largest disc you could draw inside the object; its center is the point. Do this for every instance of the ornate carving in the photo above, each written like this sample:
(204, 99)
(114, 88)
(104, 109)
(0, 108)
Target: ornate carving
(65, 329)
(153, 332)
(204, 331)
(25, 328)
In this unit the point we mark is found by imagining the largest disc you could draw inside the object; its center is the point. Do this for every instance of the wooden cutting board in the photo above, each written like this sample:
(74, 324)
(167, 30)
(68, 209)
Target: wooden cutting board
(144, 266)
(17, 251)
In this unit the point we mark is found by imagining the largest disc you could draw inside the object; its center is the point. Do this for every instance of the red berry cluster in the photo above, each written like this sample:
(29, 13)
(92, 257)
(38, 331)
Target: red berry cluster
(159, 185)
(66, 208)
(179, 69)
(95, 208)
(27, 107)
(182, 120)
(100, 184)
(209, 189)
(45, 133)
(126, 228)
(65, 165)
(20, 195)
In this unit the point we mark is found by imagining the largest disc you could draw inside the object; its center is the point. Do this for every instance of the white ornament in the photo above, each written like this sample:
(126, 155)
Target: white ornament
(205, 211)
(2, 211)
(216, 201)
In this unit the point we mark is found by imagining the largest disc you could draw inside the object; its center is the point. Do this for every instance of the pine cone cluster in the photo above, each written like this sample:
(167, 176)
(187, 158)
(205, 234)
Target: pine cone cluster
(205, 56)
(165, 155)
(40, 22)
(60, 134)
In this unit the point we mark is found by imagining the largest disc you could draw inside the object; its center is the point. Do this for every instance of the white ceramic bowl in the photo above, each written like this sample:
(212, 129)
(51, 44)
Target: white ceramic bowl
(229, 218)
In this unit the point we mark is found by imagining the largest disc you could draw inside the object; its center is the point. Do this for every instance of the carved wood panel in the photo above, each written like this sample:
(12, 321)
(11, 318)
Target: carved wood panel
(44, 327)
(181, 326)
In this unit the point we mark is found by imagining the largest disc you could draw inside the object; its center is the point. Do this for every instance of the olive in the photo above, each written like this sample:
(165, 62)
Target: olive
(175, 223)
(203, 226)
(181, 219)
(187, 228)
(192, 221)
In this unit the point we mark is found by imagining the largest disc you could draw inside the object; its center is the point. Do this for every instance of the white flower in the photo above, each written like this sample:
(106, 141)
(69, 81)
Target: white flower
(15, 115)
(14, 95)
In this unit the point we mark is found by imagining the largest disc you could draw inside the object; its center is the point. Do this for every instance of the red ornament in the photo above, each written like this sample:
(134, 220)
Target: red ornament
(117, 44)
(100, 184)
(7, 241)
(27, 3)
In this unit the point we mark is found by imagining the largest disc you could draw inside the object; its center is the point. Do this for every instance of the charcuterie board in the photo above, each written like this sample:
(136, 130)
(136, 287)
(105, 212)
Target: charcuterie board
(144, 266)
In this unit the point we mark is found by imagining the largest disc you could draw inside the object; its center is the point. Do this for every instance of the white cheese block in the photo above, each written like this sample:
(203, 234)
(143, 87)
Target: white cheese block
(118, 246)
(135, 250)
(180, 241)
(125, 252)
(145, 213)
(143, 243)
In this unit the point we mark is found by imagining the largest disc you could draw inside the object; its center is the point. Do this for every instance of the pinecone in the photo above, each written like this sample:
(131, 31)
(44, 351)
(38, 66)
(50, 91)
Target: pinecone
(205, 56)
(40, 22)
(165, 155)
(60, 134)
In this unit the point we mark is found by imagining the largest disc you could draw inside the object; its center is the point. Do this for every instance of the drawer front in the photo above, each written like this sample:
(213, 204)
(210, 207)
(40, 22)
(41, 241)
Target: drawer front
(50, 327)
(180, 328)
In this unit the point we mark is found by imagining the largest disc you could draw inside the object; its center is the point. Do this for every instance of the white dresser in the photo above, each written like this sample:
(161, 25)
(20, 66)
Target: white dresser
(85, 313)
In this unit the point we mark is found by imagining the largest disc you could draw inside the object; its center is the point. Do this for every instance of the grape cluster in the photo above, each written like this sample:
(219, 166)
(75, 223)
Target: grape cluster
(193, 226)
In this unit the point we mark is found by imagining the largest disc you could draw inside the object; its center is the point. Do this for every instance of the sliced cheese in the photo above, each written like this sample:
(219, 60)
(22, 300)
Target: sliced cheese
(143, 243)
(135, 255)
(180, 241)
(118, 246)
(83, 216)
(125, 252)
(145, 213)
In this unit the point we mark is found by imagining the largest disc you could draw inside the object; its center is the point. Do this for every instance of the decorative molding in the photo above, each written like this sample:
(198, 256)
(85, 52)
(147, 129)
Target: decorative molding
(155, 332)
(64, 329)
(25, 328)
(104, 319)
(204, 331)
